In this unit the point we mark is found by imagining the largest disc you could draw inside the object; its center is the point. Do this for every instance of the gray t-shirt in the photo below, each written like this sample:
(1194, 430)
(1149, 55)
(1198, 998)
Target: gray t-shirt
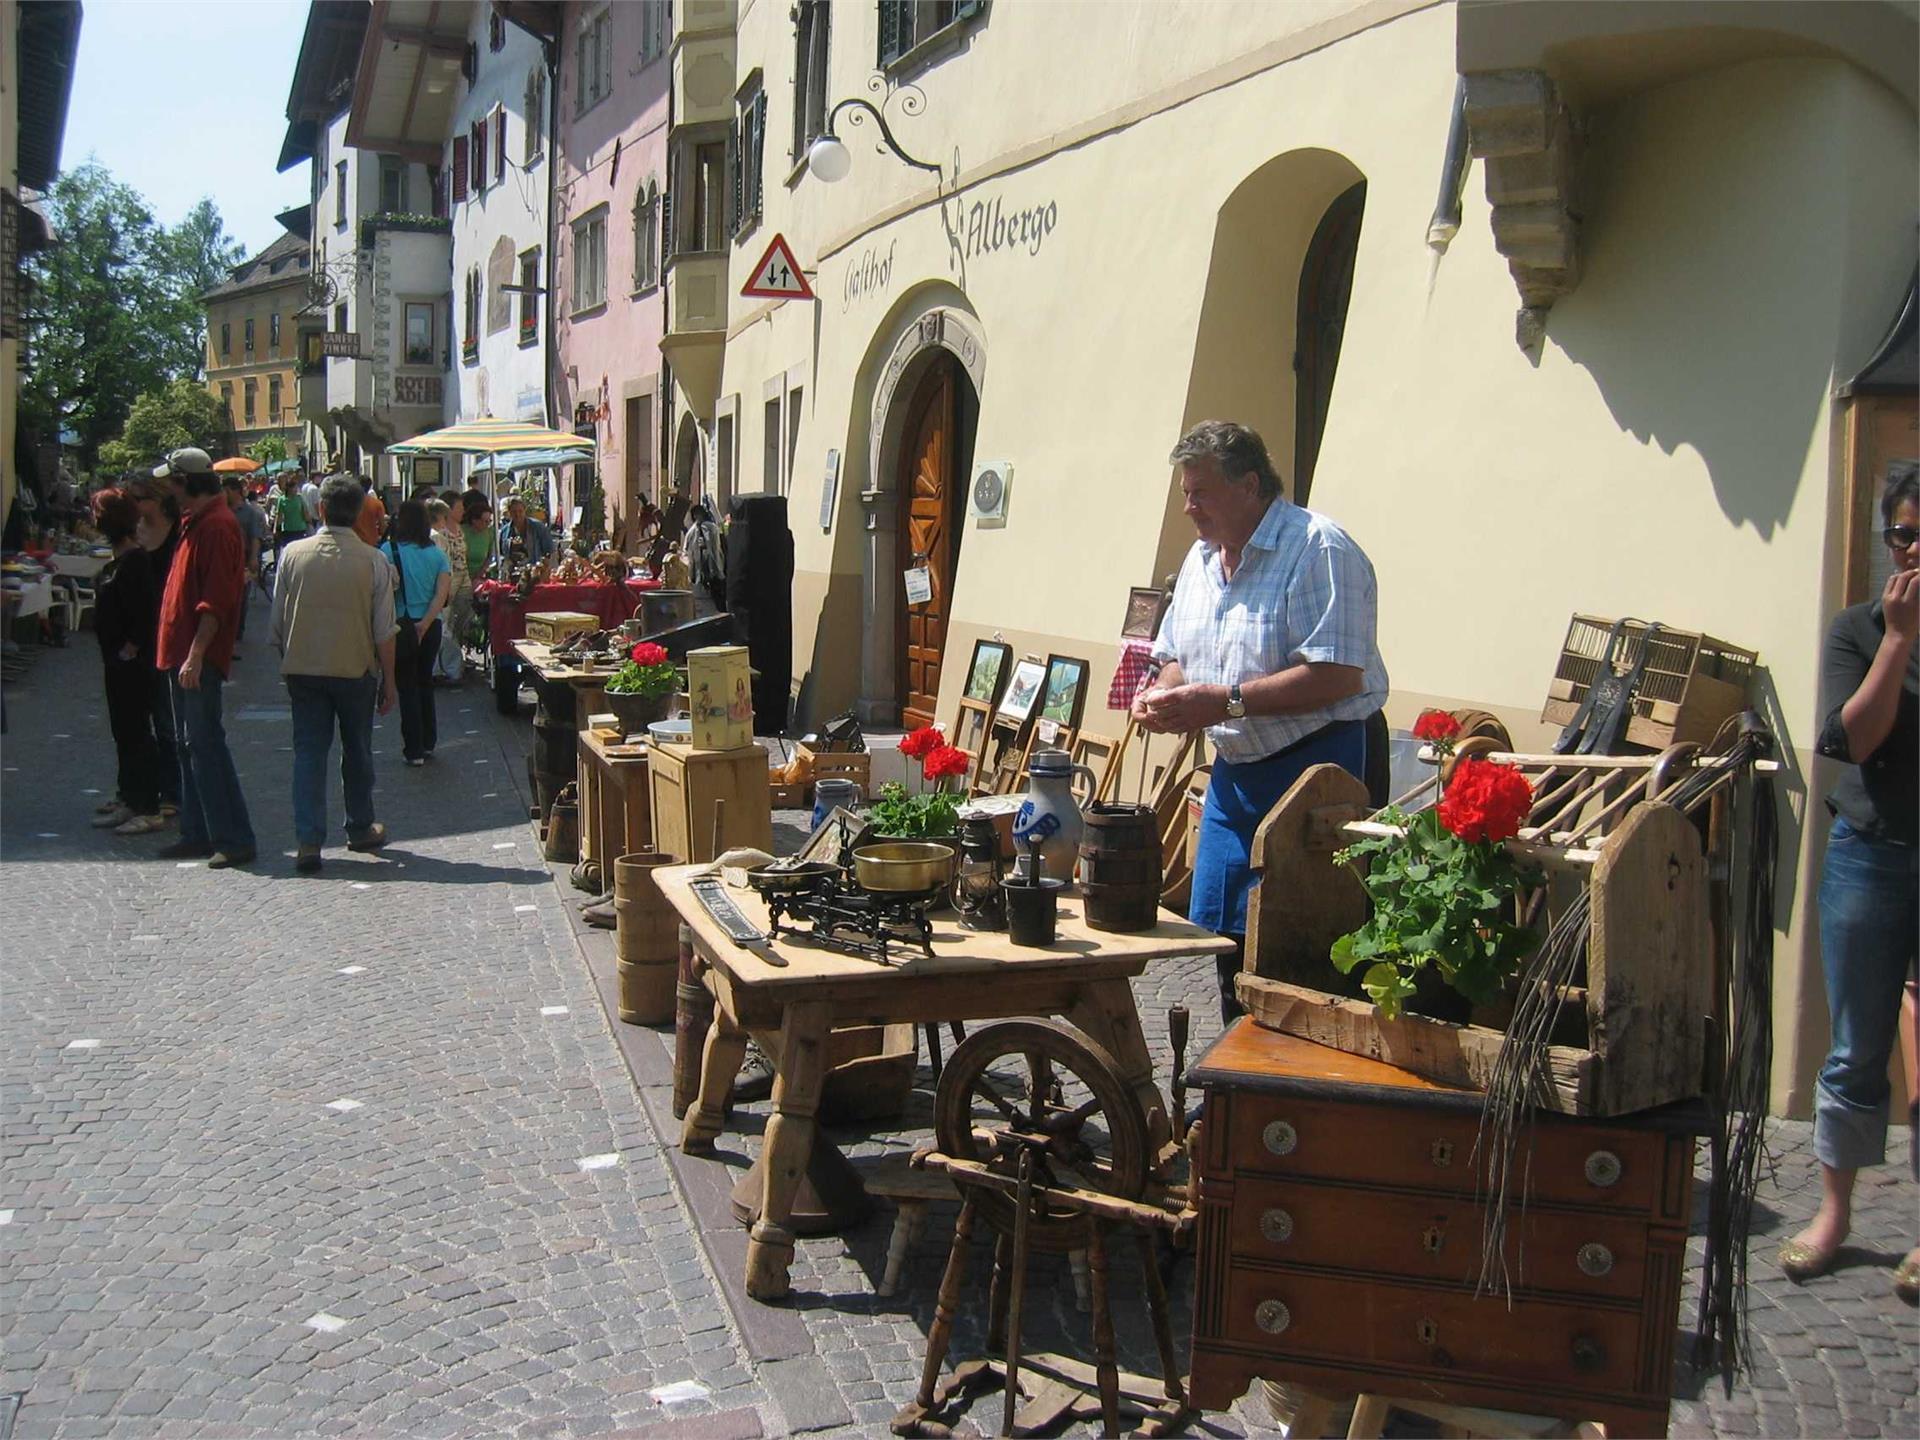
(253, 524)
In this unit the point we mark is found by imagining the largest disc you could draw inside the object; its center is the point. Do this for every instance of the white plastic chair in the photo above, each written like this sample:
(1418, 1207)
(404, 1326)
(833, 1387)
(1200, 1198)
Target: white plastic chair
(75, 598)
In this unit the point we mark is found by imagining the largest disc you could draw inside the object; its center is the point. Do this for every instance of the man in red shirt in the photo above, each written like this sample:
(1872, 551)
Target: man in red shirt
(199, 620)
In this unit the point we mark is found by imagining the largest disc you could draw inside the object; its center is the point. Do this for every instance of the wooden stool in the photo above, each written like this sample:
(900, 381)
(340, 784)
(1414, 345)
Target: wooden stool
(911, 1191)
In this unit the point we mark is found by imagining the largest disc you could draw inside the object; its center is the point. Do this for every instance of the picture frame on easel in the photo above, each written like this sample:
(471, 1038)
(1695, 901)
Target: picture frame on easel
(1057, 711)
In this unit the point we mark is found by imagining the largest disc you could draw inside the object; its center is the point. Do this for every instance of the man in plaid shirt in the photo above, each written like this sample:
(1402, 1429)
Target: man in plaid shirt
(1269, 647)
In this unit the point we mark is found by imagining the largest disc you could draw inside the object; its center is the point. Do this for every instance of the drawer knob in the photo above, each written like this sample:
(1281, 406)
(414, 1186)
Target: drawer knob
(1279, 1137)
(1432, 1239)
(1272, 1316)
(1428, 1332)
(1588, 1354)
(1603, 1169)
(1442, 1153)
(1595, 1259)
(1276, 1225)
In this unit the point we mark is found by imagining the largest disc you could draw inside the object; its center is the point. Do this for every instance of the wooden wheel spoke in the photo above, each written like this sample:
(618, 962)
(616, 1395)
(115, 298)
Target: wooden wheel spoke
(983, 1088)
(1040, 1084)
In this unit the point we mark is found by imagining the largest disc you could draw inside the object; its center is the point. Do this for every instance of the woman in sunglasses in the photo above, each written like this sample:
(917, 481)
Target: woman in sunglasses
(1870, 887)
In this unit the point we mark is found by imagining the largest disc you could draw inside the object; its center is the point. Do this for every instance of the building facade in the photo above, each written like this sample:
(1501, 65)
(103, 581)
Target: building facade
(256, 321)
(1607, 386)
(610, 203)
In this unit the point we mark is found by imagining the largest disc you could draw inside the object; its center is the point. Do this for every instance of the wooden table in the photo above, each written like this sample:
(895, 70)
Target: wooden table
(614, 808)
(589, 687)
(1340, 1240)
(789, 994)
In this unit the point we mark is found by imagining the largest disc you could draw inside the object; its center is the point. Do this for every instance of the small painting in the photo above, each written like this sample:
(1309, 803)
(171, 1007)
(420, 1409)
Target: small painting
(1145, 606)
(1066, 685)
(1022, 691)
(989, 668)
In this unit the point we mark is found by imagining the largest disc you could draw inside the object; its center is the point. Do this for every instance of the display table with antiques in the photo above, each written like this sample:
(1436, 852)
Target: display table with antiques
(787, 990)
(1341, 1237)
(507, 610)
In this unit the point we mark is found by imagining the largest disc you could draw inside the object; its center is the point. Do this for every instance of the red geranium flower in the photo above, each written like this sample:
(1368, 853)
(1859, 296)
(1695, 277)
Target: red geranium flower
(1436, 727)
(1485, 801)
(922, 742)
(647, 653)
(943, 761)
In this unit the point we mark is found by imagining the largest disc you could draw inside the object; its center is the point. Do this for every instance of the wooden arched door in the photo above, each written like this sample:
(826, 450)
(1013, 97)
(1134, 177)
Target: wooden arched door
(932, 500)
(1326, 284)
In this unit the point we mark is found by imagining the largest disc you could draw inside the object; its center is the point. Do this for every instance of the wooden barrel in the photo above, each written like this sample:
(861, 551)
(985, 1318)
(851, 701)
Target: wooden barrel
(1120, 867)
(692, 1018)
(561, 841)
(646, 933)
(555, 760)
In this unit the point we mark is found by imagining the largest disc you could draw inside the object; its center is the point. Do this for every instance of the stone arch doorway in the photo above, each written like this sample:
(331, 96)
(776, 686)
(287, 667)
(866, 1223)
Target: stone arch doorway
(926, 407)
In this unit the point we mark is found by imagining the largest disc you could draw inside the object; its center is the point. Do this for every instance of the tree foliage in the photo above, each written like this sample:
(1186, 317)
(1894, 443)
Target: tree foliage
(180, 413)
(268, 448)
(116, 310)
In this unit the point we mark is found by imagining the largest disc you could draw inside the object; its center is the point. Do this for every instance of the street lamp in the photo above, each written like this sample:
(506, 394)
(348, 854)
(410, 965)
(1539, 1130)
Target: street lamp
(829, 158)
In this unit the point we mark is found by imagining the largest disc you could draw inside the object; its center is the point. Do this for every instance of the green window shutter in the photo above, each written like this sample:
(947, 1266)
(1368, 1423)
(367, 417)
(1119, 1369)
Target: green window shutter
(736, 182)
(759, 150)
(896, 25)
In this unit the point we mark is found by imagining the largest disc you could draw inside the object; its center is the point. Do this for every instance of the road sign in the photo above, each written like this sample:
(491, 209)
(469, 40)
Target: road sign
(777, 276)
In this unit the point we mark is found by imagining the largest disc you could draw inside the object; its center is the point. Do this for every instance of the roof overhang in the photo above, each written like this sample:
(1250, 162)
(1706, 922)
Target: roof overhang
(539, 18)
(409, 77)
(297, 221)
(49, 37)
(329, 51)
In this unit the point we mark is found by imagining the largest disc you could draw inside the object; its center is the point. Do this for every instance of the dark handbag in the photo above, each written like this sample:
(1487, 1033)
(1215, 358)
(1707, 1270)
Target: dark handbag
(406, 640)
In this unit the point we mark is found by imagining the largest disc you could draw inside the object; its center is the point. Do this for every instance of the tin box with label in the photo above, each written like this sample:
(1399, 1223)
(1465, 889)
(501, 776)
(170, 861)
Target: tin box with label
(720, 690)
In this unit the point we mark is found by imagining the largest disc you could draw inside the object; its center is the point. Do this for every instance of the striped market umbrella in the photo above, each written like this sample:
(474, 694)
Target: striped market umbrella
(494, 437)
(533, 459)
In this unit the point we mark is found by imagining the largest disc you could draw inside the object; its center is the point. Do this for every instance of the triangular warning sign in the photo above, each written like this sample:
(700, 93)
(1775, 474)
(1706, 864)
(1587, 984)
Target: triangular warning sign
(777, 276)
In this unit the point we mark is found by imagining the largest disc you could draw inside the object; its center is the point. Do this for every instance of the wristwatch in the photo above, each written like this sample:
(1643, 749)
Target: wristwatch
(1236, 707)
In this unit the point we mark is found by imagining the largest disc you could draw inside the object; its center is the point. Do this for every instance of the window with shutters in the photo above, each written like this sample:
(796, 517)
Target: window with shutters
(393, 185)
(470, 317)
(249, 339)
(590, 260)
(252, 401)
(593, 62)
(529, 301)
(340, 193)
(656, 22)
(910, 30)
(226, 338)
(226, 399)
(809, 75)
(499, 144)
(749, 153)
(477, 137)
(459, 167)
(340, 318)
(496, 32)
(646, 235)
(536, 113)
(273, 332)
(708, 231)
(273, 399)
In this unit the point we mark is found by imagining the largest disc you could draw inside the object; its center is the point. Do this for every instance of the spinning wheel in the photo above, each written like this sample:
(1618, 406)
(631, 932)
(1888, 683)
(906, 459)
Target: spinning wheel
(1039, 1089)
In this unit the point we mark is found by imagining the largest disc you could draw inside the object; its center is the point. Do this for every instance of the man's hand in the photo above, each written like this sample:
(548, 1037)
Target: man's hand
(1179, 709)
(129, 650)
(190, 673)
(1900, 603)
(389, 696)
(420, 628)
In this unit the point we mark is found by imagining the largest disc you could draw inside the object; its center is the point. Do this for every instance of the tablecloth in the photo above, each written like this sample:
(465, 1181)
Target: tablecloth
(610, 604)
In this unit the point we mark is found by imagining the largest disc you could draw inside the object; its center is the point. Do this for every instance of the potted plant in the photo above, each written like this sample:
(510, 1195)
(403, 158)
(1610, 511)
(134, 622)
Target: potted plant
(920, 813)
(642, 689)
(1442, 937)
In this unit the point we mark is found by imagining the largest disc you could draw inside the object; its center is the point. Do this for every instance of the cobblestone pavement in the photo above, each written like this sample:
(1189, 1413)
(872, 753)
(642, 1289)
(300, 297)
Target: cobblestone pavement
(185, 1221)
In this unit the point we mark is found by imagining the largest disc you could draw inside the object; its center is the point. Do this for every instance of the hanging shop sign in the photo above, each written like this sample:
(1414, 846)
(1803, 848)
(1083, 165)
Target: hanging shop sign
(340, 344)
(777, 276)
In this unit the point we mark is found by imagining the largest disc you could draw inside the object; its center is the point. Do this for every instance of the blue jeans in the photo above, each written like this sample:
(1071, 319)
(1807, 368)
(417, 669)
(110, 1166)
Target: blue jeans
(319, 703)
(1869, 906)
(212, 809)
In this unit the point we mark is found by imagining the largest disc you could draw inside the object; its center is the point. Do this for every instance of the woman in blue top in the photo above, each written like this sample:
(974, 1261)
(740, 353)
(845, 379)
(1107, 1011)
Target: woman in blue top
(422, 584)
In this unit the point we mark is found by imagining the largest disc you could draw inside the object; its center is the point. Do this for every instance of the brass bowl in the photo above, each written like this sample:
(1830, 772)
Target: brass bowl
(903, 865)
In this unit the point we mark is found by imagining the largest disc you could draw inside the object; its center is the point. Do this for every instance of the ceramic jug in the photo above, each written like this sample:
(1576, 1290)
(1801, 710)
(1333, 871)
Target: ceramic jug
(1050, 814)
(829, 795)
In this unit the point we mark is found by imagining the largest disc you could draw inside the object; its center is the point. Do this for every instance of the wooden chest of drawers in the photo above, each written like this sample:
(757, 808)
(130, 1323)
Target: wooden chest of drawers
(1340, 1237)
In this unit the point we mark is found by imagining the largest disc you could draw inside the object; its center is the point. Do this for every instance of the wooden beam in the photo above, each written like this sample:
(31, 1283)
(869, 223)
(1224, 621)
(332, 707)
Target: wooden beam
(426, 39)
(419, 151)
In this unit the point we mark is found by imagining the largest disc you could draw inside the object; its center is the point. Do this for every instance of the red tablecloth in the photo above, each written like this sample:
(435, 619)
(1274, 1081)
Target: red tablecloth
(507, 616)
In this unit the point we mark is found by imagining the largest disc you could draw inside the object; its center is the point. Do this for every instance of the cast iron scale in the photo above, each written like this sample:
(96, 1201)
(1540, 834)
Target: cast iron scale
(837, 912)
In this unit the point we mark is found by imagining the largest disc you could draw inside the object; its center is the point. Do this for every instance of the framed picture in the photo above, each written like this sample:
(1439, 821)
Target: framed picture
(1145, 607)
(988, 670)
(1065, 690)
(1022, 691)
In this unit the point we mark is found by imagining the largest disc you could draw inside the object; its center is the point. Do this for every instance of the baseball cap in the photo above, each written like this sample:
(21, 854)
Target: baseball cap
(190, 460)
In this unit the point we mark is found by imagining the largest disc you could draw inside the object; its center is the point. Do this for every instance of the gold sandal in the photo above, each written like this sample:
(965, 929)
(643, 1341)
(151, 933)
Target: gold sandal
(1906, 1278)
(1801, 1262)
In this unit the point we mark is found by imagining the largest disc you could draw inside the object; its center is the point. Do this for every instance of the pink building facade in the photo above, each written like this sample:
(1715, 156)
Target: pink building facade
(609, 200)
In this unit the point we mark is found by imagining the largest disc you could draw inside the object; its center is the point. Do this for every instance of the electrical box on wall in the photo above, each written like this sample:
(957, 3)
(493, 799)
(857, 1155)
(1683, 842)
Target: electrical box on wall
(987, 499)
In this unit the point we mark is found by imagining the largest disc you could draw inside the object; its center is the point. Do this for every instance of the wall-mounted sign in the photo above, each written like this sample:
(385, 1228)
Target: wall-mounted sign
(986, 227)
(777, 276)
(340, 344)
(868, 276)
(417, 389)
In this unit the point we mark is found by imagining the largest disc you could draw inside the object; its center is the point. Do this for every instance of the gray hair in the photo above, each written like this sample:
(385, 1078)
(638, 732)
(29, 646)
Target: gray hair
(1236, 449)
(1903, 484)
(436, 507)
(340, 500)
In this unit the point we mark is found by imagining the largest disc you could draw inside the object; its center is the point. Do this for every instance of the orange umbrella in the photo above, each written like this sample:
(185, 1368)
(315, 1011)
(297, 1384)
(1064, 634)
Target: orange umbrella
(237, 465)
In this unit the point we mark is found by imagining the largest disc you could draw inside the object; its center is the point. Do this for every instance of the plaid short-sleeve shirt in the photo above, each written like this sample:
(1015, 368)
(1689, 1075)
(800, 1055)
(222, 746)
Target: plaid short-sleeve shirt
(1303, 593)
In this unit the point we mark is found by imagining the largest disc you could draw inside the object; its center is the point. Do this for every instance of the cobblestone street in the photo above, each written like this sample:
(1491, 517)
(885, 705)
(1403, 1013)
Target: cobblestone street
(363, 1153)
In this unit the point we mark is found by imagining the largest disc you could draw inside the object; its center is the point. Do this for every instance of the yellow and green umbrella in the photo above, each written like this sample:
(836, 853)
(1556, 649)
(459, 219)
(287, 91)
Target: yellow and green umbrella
(493, 437)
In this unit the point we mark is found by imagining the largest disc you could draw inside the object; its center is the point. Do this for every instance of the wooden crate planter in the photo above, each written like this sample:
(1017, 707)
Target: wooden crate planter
(856, 766)
(1692, 684)
(1648, 993)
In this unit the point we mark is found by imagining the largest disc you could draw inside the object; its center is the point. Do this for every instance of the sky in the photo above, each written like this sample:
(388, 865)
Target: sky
(187, 98)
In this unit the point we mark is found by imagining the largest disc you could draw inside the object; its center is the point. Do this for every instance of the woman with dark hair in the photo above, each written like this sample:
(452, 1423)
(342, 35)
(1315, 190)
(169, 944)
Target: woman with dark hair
(423, 580)
(126, 620)
(476, 522)
(1870, 881)
(158, 534)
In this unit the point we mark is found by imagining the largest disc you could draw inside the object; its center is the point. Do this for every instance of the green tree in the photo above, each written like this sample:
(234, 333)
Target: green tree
(181, 413)
(268, 449)
(200, 255)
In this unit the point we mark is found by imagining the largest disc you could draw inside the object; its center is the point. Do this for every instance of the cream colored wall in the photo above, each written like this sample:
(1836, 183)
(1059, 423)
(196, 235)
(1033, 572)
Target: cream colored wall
(1669, 454)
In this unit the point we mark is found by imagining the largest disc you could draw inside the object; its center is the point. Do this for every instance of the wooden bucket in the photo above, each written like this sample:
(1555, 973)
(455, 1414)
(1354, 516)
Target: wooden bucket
(646, 939)
(692, 1018)
(561, 841)
(1120, 867)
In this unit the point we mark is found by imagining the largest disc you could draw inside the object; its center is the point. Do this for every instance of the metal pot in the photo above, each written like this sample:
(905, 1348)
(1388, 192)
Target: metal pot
(903, 865)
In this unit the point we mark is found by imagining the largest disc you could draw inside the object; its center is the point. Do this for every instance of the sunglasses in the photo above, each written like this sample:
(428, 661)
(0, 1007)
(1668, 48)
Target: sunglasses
(1900, 536)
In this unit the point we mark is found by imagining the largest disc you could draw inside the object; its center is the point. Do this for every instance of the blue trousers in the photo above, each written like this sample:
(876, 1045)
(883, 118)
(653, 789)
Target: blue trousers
(322, 703)
(1869, 911)
(212, 809)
